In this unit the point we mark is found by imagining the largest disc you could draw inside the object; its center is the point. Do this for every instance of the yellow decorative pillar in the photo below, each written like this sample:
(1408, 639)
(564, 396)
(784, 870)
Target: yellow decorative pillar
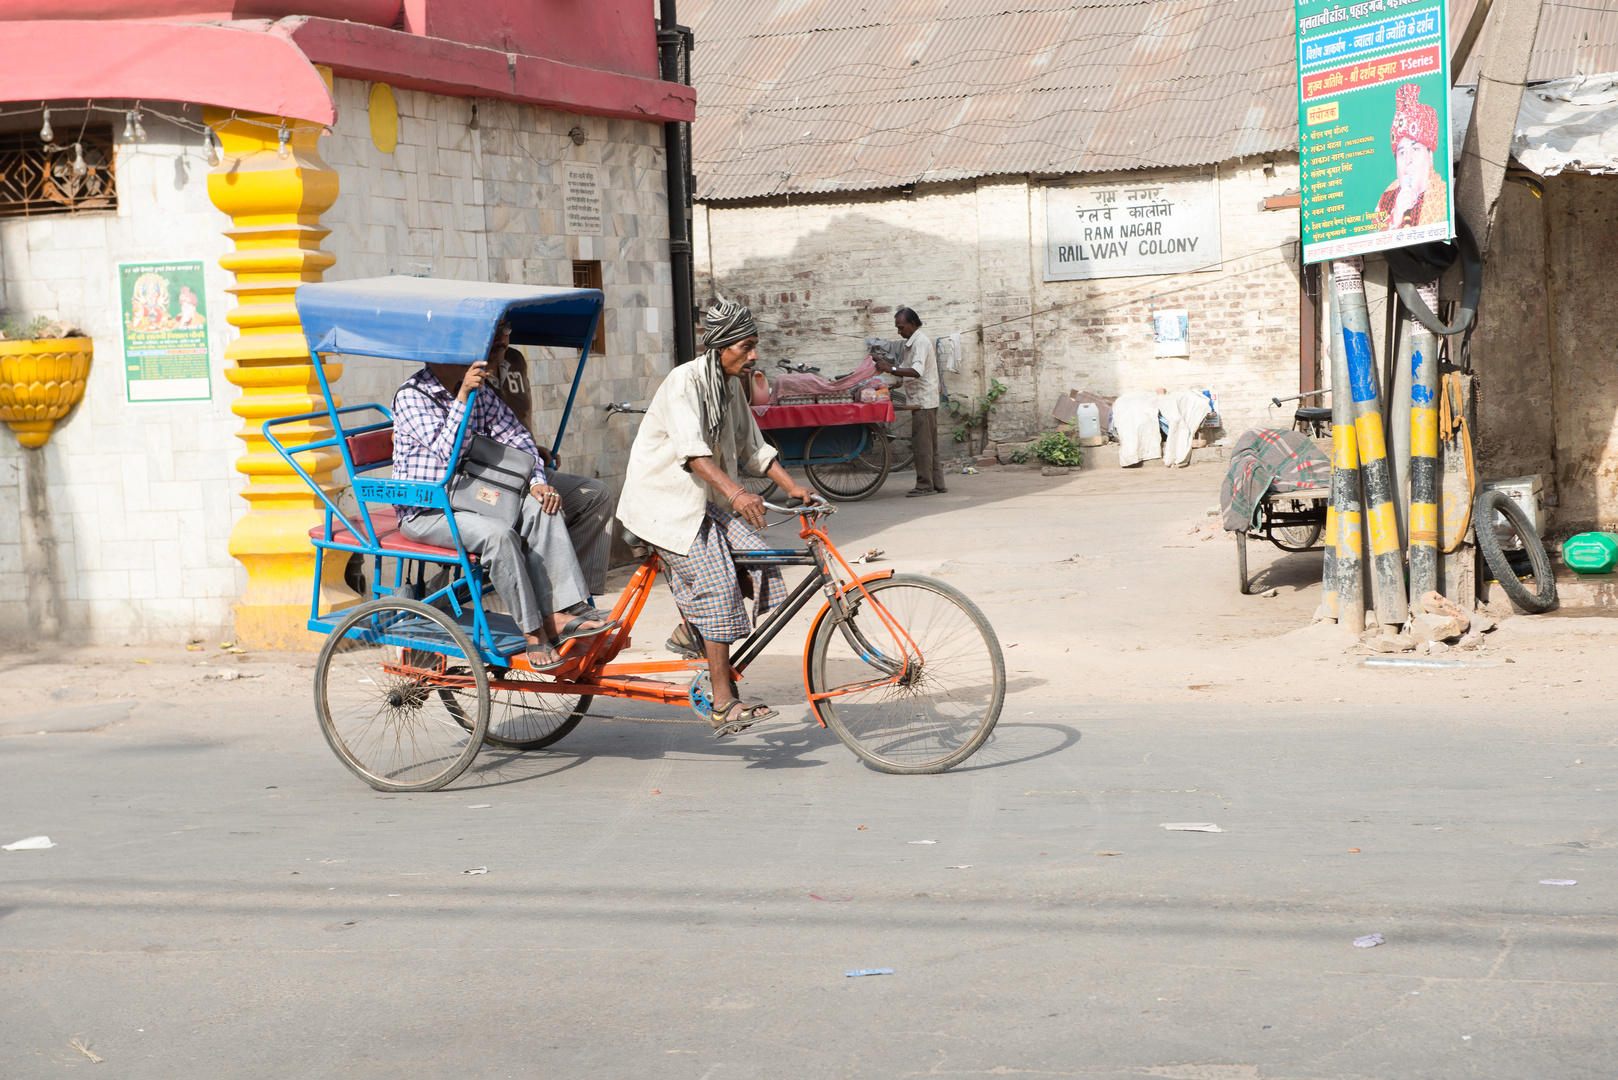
(275, 203)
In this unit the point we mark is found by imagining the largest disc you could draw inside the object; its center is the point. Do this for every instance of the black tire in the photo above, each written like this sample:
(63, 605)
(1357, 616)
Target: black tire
(762, 486)
(1544, 596)
(943, 709)
(388, 702)
(531, 720)
(901, 453)
(1296, 537)
(861, 475)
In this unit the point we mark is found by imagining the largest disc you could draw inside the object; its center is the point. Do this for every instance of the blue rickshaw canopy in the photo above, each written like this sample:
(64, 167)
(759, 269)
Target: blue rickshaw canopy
(431, 320)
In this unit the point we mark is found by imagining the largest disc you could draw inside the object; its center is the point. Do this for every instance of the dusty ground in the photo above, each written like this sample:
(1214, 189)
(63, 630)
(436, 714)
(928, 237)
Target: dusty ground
(1110, 586)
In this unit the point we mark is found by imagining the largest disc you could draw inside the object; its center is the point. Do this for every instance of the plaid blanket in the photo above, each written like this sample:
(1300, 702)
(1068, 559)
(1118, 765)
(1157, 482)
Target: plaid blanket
(1265, 460)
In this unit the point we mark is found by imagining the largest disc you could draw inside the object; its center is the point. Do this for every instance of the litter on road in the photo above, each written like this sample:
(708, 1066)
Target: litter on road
(1109, 853)
(963, 866)
(1191, 826)
(924, 841)
(1369, 941)
(32, 843)
(480, 806)
(476, 870)
(868, 971)
(1557, 881)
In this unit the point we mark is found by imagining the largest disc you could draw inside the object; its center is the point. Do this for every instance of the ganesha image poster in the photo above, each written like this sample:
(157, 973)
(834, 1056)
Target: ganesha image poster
(165, 331)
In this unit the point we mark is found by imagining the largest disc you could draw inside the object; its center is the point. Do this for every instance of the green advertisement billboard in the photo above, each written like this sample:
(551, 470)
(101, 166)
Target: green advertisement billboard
(165, 323)
(1373, 126)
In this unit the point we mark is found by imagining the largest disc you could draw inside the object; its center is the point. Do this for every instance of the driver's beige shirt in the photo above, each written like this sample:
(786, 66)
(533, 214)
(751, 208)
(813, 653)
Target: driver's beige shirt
(664, 502)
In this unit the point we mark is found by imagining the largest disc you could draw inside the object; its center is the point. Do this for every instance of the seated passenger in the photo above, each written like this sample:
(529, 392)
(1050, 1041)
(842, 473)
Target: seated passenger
(587, 503)
(676, 493)
(533, 567)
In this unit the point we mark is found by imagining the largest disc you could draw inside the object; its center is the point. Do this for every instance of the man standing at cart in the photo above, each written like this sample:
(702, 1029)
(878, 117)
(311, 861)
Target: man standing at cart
(680, 497)
(921, 370)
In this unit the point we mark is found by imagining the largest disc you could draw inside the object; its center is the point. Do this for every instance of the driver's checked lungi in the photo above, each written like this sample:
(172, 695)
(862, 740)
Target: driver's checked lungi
(708, 585)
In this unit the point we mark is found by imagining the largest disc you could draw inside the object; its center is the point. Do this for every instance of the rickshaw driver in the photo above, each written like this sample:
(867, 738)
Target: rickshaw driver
(533, 567)
(676, 491)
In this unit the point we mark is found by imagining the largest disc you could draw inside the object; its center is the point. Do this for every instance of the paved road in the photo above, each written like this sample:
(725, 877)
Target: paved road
(227, 901)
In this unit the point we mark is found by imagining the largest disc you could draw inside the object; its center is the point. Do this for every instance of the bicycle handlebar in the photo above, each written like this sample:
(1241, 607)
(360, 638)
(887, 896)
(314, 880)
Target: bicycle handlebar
(799, 506)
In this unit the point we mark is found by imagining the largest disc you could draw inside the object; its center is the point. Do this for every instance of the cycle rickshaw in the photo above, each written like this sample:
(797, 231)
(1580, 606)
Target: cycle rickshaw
(413, 681)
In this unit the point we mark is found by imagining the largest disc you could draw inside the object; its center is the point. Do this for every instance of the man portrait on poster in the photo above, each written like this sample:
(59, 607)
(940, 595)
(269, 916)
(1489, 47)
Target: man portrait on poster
(1418, 195)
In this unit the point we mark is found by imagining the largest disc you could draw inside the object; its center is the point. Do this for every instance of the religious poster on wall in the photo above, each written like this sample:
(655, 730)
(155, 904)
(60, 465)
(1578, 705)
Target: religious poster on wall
(1373, 126)
(1131, 229)
(1171, 332)
(581, 199)
(165, 326)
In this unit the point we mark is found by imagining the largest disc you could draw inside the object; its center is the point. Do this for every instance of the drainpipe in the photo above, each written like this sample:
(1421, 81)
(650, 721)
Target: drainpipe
(671, 41)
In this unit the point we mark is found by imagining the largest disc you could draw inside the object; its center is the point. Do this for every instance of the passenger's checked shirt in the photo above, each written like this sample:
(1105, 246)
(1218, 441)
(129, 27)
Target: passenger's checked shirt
(664, 502)
(425, 419)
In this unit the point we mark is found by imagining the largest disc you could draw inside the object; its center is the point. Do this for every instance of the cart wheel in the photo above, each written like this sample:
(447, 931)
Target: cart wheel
(762, 486)
(1241, 563)
(388, 703)
(866, 449)
(902, 454)
(1296, 537)
(942, 708)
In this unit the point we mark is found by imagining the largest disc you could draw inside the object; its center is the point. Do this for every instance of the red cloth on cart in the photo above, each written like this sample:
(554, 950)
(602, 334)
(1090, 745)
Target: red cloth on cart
(790, 416)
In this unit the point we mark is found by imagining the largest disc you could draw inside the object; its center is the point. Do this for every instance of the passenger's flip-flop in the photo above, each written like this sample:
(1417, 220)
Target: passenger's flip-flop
(544, 665)
(573, 629)
(737, 716)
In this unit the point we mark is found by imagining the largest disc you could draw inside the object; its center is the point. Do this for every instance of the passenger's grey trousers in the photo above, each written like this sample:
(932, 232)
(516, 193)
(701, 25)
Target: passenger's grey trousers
(587, 507)
(533, 567)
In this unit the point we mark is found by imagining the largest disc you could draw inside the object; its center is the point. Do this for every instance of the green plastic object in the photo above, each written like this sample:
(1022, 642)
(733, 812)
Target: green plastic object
(1591, 553)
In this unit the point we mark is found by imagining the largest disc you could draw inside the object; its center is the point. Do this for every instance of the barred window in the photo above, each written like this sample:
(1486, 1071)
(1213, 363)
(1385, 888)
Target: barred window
(56, 178)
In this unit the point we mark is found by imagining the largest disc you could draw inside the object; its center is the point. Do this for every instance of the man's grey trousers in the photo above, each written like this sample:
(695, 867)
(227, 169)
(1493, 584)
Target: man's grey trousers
(532, 567)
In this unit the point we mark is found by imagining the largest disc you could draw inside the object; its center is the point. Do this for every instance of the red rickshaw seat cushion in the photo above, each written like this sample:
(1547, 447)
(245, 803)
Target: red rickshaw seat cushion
(386, 522)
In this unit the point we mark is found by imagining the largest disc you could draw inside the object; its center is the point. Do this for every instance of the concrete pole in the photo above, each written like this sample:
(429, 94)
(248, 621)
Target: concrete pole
(1423, 519)
(1348, 585)
(1387, 556)
(1513, 25)
(1328, 577)
(1399, 425)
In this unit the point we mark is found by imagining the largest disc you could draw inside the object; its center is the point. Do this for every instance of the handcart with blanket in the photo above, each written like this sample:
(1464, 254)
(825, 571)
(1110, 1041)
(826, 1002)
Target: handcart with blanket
(1278, 486)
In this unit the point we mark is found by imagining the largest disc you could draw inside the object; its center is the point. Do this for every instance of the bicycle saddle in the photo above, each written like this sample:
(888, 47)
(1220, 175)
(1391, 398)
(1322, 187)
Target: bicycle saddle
(1313, 416)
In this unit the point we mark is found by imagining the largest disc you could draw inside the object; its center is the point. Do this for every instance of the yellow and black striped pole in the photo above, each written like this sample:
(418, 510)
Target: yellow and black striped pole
(1347, 582)
(1387, 556)
(1423, 454)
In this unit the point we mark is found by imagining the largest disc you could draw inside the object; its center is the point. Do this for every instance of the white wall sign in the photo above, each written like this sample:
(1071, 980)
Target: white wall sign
(1131, 229)
(581, 199)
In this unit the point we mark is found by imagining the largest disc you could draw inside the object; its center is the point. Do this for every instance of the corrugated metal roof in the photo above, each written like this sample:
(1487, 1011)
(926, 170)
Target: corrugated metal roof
(844, 95)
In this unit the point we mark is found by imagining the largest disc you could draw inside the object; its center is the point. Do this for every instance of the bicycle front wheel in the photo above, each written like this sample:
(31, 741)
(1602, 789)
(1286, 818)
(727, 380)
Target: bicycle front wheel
(391, 706)
(939, 696)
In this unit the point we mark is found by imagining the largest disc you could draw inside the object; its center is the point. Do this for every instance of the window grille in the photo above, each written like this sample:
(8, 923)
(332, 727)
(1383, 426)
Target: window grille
(56, 178)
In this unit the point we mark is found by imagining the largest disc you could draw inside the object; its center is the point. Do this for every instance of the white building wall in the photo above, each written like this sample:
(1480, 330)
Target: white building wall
(143, 497)
(822, 273)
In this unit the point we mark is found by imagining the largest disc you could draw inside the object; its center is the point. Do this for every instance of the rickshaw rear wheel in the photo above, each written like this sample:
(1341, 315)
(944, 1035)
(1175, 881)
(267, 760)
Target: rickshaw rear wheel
(389, 704)
(531, 719)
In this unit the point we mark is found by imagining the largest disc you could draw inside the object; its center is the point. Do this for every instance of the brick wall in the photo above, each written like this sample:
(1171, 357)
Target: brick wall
(822, 273)
(142, 497)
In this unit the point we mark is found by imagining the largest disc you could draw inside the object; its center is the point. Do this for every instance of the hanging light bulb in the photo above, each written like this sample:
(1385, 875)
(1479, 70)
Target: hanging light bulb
(140, 132)
(79, 167)
(129, 126)
(285, 138)
(45, 132)
(213, 148)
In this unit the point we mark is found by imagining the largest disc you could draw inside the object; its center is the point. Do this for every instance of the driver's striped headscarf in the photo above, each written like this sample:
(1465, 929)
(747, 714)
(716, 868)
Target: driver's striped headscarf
(726, 323)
